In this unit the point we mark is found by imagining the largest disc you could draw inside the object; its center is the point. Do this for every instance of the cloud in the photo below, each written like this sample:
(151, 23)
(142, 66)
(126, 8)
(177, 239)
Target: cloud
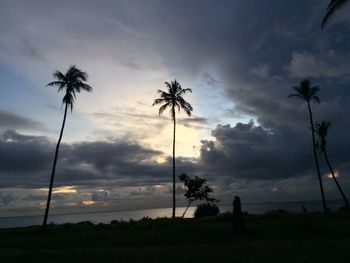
(7, 198)
(261, 71)
(209, 80)
(11, 120)
(28, 49)
(251, 152)
(308, 65)
(84, 163)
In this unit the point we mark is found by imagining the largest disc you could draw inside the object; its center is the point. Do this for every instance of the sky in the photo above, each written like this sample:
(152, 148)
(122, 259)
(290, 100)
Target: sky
(241, 60)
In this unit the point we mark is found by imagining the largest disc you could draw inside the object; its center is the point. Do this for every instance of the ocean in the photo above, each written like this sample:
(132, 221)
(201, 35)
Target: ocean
(107, 217)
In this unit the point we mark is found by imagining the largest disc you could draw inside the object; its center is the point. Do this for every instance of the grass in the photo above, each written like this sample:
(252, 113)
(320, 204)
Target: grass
(273, 237)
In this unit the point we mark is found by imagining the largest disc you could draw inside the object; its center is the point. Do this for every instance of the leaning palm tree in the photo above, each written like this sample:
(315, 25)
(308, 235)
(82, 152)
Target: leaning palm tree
(332, 7)
(322, 131)
(173, 99)
(71, 82)
(307, 93)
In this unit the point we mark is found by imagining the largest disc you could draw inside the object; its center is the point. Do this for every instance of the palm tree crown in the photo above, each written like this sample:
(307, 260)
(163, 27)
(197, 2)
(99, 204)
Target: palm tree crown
(306, 92)
(72, 82)
(173, 99)
(332, 7)
(322, 131)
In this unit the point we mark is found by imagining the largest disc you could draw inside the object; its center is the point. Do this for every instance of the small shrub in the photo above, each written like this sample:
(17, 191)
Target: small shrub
(278, 213)
(207, 209)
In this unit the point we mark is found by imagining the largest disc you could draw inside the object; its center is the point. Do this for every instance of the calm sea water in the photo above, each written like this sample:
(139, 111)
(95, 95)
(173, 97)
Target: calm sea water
(106, 217)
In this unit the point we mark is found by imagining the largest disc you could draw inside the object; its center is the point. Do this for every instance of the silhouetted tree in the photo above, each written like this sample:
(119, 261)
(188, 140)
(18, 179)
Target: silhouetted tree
(196, 189)
(307, 93)
(71, 82)
(331, 8)
(322, 131)
(173, 99)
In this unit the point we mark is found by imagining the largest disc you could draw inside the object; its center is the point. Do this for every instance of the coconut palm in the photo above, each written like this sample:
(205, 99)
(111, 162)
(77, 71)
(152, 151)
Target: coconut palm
(332, 7)
(307, 93)
(71, 82)
(173, 99)
(322, 131)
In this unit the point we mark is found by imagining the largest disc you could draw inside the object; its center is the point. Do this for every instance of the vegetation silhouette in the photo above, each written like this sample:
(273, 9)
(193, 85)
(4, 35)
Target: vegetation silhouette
(72, 82)
(322, 131)
(196, 189)
(173, 99)
(307, 93)
(205, 210)
(331, 8)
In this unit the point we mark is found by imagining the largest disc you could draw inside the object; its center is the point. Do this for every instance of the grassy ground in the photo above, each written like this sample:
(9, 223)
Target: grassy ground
(274, 237)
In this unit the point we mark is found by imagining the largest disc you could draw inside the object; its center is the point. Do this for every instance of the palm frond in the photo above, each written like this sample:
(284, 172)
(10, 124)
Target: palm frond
(294, 96)
(59, 76)
(314, 90)
(163, 108)
(177, 105)
(86, 87)
(332, 7)
(316, 98)
(183, 91)
(61, 85)
(69, 100)
(322, 130)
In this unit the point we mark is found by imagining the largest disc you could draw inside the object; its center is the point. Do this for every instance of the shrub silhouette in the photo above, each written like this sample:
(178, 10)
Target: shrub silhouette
(206, 209)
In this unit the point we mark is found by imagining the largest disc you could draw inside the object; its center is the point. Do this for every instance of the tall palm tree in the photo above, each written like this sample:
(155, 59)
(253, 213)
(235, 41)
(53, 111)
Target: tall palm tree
(307, 93)
(173, 99)
(72, 82)
(322, 131)
(332, 7)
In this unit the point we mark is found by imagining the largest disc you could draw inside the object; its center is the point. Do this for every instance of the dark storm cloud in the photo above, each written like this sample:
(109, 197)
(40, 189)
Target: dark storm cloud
(10, 120)
(25, 161)
(250, 152)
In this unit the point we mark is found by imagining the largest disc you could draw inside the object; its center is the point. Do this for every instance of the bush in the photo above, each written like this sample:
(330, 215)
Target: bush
(278, 213)
(207, 209)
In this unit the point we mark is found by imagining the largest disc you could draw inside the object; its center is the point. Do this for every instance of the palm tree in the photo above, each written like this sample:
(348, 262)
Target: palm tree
(322, 131)
(307, 93)
(173, 99)
(71, 82)
(332, 7)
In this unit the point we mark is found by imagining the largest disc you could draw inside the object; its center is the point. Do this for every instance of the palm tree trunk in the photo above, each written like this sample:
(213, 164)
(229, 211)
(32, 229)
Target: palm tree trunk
(188, 205)
(54, 168)
(335, 179)
(174, 193)
(316, 159)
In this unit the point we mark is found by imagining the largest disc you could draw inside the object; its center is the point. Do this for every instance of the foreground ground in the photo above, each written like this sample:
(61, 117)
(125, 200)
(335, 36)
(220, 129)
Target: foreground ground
(274, 237)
